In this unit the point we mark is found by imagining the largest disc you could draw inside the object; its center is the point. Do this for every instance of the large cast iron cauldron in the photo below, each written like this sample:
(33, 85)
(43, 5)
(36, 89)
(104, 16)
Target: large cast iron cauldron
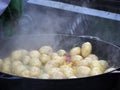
(104, 50)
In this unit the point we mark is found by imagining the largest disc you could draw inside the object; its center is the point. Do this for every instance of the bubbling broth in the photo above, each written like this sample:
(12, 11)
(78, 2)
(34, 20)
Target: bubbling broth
(46, 63)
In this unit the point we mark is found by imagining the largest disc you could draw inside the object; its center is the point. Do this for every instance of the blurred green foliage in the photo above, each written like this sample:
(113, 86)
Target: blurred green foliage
(10, 16)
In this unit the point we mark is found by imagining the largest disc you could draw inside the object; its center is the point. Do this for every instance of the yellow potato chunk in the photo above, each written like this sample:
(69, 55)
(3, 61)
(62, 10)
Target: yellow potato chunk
(50, 64)
(86, 49)
(61, 52)
(44, 76)
(26, 59)
(35, 71)
(92, 56)
(34, 54)
(67, 70)
(35, 62)
(6, 67)
(18, 54)
(83, 71)
(58, 75)
(76, 59)
(96, 71)
(18, 69)
(53, 55)
(25, 73)
(75, 51)
(45, 58)
(46, 50)
(104, 64)
(96, 64)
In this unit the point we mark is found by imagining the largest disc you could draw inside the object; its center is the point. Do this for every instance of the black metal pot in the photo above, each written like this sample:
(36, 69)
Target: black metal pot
(102, 49)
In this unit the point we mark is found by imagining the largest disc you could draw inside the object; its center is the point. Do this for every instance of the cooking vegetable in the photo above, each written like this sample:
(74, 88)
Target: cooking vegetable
(75, 51)
(86, 49)
(48, 64)
(34, 54)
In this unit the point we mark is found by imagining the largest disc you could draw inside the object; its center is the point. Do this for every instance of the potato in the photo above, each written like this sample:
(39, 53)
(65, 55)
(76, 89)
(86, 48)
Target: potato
(83, 71)
(67, 70)
(59, 60)
(6, 67)
(52, 70)
(45, 58)
(86, 49)
(61, 52)
(25, 73)
(18, 69)
(104, 64)
(50, 64)
(7, 60)
(35, 71)
(96, 71)
(109, 70)
(76, 59)
(84, 63)
(57, 75)
(16, 63)
(53, 55)
(46, 50)
(34, 54)
(96, 64)
(35, 62)
(75, 51)
(44, 76)
(26, 59)
(92, 56)
(18, 54)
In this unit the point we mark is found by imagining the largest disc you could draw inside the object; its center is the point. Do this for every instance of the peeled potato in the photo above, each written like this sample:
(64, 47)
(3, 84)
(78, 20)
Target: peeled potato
(58, 75)
(50, 64)
(92, 56)
(104, 64)
(96, 64)
(25, 73)
(52, 70)
(18, 69)
(45, 50)
(6, 68)
(45, 58)
(34, 71)
(45, 76)
(67, 70)
(59, 60)
(7, 60)
(35, 62)
(86, 49)
(83, 71)
(34, 54)
(26, 59)
(61, 52)
(18, 54)
(76, 59)
(96, 71)
(84, 63)
(75, 51)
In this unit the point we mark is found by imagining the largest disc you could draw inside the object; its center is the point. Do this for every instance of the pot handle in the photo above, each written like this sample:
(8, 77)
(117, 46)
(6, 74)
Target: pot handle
(92, 37)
